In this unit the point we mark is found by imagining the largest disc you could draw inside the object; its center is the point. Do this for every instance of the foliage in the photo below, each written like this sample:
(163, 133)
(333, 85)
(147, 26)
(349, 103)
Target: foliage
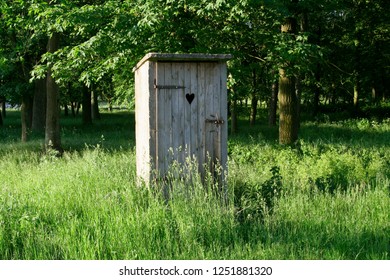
(253, 202)
(338, 44)
(18, 50)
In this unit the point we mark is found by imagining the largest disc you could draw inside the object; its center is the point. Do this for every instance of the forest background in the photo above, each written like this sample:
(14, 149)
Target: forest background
(308, 148)
(310, 53)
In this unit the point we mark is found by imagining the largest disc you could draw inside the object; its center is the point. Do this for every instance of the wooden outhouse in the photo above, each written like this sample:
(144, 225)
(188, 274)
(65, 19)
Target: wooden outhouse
(181, 112)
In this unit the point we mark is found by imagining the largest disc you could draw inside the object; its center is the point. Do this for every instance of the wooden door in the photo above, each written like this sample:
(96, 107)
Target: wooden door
(190, 114)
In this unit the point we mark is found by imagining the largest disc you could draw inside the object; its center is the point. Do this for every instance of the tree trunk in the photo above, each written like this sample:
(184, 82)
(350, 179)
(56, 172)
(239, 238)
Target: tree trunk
(1, 118)
(95, 105)
(66, 110)
(376, 86)
(73, 103)
(233, 116)
(3, 109)
(72, 107)
(358, 64)
(273, 104)
(357, 76)
(26, 117)
(78, 105)
(253, 110)
(254, 100)
(52, 129)
(288, 101)
(87, 107)
(384, 83)
(288, 128)
(39, 106)
(110, 109)
(298, 91)
(355, 95)
(316, 101)
(374, 95)
(317, 91)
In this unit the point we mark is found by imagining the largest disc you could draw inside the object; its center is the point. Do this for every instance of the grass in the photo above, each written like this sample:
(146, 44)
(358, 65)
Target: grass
(328, 197)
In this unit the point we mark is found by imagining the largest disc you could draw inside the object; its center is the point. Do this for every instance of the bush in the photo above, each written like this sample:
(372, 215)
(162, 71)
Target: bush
(253, 201)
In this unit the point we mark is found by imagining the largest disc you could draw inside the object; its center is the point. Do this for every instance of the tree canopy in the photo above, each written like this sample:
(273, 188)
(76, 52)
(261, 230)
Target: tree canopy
(339, 50)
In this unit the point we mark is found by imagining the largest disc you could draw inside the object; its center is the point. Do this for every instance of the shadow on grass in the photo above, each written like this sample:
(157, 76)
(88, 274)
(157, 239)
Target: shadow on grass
(302, 240)
(113, 131)
(347, 133)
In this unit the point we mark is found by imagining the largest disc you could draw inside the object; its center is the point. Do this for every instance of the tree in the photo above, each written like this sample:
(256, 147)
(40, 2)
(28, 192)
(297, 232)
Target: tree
(20, 48)
(354, 42)
(273, 104)
(39, 106)
(95, 114)
(3, 108)
(325, 50)
(1, 115)
(87, 106)
(52, 130)
(288, 101)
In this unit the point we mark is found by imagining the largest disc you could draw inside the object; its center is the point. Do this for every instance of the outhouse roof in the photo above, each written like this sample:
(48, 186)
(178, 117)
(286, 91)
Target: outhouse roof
(182, 57)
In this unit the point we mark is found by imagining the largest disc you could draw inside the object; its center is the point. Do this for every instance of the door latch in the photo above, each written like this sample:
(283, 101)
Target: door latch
(216, 120)
(166, 86)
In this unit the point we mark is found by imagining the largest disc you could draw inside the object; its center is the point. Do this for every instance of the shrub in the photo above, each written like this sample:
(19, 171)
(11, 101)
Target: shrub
(255, 200)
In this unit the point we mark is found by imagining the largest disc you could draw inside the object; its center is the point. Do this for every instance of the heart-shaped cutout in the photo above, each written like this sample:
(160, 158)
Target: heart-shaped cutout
(190, 97)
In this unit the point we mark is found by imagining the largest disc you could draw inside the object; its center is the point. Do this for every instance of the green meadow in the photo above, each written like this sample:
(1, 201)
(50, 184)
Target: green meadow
(326, 197)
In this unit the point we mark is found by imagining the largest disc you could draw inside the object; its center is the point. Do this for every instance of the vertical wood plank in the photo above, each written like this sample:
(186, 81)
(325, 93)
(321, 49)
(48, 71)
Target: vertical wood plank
(224, 115)
(151, 117)
(201, 116)
(216, 84)
(160, 121)
(181, 110)
(193, 109)
(145, 120)
(140, 139)
(176, 112)
(167, 121)
(210, 115)
(187, 111)
(221, 137)
(168, 106)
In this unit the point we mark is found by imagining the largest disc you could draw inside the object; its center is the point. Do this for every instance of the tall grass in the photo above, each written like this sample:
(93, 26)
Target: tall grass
(326, 198)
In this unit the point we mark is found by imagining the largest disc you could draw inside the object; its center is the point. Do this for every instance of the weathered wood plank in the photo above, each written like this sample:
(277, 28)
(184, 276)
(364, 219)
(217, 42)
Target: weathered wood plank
(177, 112)
(167, 153)
(224, 115)
(152, 99)
(210, 114)
(201, 57)
(216, 83)
(201, 117)
(141, 105)
(160, 121)
(187, 111)
(193, 109)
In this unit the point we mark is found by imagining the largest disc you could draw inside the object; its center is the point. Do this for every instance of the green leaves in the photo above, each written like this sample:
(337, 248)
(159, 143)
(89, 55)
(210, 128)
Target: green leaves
(107, 38)
(295, 53)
